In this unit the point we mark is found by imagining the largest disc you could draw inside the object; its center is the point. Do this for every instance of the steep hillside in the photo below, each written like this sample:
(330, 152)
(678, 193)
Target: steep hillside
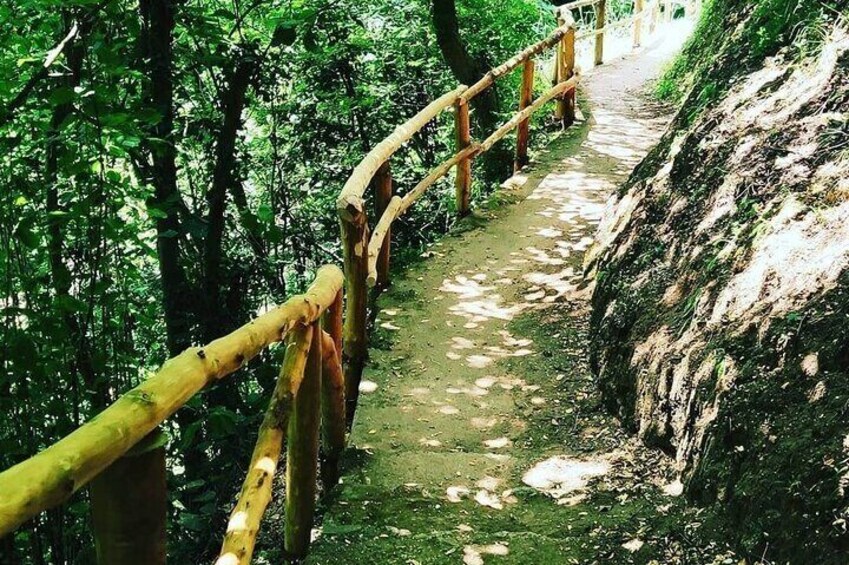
(720, 311)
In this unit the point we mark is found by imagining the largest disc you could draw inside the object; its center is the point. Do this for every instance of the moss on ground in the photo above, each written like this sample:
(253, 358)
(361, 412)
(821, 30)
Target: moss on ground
(369, 523)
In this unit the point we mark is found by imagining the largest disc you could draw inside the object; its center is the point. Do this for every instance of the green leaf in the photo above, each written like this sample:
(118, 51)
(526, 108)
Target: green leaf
(265, 213)
(69, 304)
(156, 213)
(62, 95)
(222, 422)
(188, 435)
(26, 235)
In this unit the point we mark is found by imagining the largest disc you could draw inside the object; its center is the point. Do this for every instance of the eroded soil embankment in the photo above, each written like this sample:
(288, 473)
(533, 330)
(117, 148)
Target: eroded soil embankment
(719, 327)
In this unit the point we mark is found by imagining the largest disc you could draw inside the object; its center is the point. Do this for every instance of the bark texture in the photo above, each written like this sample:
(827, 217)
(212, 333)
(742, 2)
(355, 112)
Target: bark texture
(465, 68)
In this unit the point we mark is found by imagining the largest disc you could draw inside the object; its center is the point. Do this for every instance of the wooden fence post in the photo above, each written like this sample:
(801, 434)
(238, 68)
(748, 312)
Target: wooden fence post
(600, 21)
(565, 107)
(332, 413)
(355, 237)
(129, 506)
(382, 183)
(526, 96)
(333, 417)
(463, 183)
(655, 9)
(333, 323)
(244, 523)
(638, 22)
(302, 454)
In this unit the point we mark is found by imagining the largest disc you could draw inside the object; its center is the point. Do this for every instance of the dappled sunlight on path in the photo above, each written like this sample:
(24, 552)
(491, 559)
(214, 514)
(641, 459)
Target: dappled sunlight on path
(468, 413)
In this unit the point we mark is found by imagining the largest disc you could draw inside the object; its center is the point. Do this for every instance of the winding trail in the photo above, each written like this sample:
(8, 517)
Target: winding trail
(480, 437)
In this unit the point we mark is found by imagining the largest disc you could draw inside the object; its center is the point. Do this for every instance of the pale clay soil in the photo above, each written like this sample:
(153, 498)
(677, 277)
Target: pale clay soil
(480, 437)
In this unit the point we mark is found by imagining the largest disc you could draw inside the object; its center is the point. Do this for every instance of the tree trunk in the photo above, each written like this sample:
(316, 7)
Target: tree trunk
(498, 163)
(222, 180)
(158, 26)
(166, 204)
(59, 272)
(463, 66)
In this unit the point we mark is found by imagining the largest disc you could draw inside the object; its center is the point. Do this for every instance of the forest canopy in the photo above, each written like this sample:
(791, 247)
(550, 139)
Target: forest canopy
(170, 168)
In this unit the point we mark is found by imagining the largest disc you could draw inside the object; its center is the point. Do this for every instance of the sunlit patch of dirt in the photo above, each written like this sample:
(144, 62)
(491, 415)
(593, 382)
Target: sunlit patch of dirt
(560, 476)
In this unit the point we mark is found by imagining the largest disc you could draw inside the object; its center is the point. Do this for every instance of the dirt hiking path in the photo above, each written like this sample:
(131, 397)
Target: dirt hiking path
(480, 437)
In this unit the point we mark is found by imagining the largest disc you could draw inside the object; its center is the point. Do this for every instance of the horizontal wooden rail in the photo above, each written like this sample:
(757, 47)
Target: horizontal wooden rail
(398, 206)
(579, 4)
(379, 235)
(615, 25)
(50, 477)
(513, 63)
(436, 174)
(350, 202)
(513, 123)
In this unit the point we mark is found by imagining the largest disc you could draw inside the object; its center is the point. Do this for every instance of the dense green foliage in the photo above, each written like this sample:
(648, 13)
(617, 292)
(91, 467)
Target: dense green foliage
(770, 26)
(302, 88)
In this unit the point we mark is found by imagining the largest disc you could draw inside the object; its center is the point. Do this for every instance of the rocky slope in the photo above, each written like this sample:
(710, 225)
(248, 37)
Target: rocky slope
(721, 309)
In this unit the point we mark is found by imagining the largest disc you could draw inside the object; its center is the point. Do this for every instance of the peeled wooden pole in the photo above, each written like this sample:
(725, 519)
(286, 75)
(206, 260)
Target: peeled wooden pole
(350, 201)
(436, 174)
(333, 324)
(129, 506)
(382, 195)
(49, 478)
(526, 97)
(302, 454)
(504, 68)
(334, 417)
(333, 423)
(569, 62)
(463, 134)
(600, 22)
(399, 206)
(380, 239)
(355, 240)
(565, 68)
(513, 123)
(654, 9)
(244, 523)
(638, 23)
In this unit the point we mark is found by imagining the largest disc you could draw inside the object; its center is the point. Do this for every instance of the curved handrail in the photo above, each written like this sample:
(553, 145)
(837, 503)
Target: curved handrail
(491, 76)
(396, 209)
(513, 123)
(617, 24)
(350, 200)
(53, 475)
(311, 380)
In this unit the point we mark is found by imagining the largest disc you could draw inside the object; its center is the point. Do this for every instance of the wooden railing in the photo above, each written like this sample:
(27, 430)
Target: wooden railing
(120, 453)
(367, 255)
